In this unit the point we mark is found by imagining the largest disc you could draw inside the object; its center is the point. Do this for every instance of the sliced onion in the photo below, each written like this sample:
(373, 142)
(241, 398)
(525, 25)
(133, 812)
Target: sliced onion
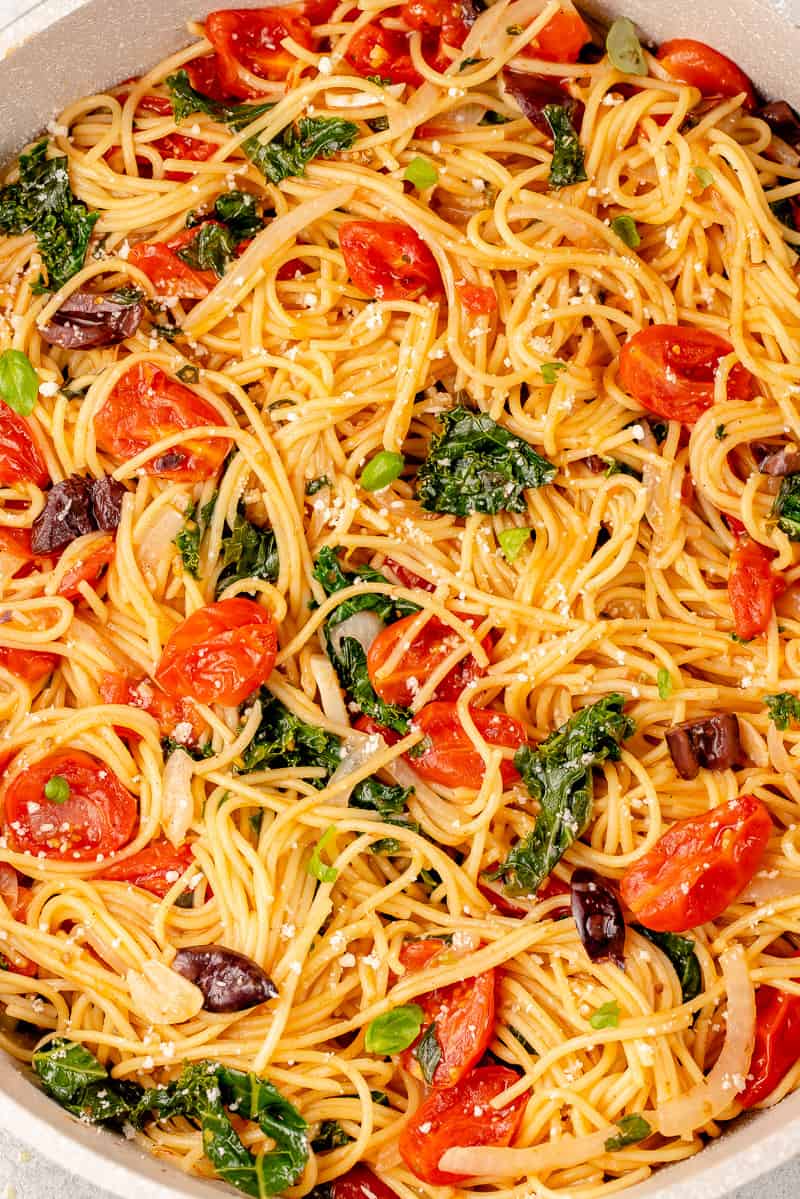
(157, 542)
(753, 743)
(9, 886)
(489, 33)
(778, 753)
(477, 1161)
(177, 801)
(330, 693)
(351, 99)
(762, 889)
(358, 750)
(704, 1102)
(362, 626)
(408, 116)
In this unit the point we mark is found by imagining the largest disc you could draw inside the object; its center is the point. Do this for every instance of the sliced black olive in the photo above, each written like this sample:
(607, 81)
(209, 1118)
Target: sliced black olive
(67, 514)
(777, 461)
(598, 917)
(596, 464)
(107, 495)
(532, 94)
(230, 981)
(782, 120)
(712, 743)
(87, 320)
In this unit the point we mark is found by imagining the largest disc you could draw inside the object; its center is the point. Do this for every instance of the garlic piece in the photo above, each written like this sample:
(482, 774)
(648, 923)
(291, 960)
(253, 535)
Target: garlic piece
(161, 996)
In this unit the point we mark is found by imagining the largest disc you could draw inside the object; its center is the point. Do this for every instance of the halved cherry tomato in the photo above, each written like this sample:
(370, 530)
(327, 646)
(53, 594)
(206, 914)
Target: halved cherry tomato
(448, 756)
(88, 569)
(155, 868)
(17, 899)
(98, 818)
(479, 301)
(462, 1012)
(189, 149)
(29, 665)
(698, 867)
(389, 260)
(249, 40)
(143, 693)
(145, 405)
(365, 724)
(204, 76)
(752, 587)
(168, 273)
(562, 38)
(220, 654)
(420, 658)
(374, 50)
(21, 460)
(702, 67)
(495, 893)
(408, 578)
(460, 1115)
(442, 23)
(777, 1044)
(670, 370)
(360, 1183)
(292, 269)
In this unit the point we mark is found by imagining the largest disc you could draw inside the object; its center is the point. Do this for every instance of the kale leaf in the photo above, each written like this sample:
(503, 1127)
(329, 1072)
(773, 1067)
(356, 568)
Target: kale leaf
(74, 1077)
(42, 202)
(248, 552)
(558, 774)
(191, 535)
(331, 1135)
(567, 165)
(680, 951)
(346, 653)
(212, 248)
(787, 507)
(186, 100)
(283, 739)
(784, 709)
(476, 465)
(389, 802)
(293, 148)
(239, 212)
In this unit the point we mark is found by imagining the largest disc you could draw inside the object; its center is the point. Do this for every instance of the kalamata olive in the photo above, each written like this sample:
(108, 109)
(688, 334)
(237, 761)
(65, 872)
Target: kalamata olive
(532, 94)
(782, 120)
(107, 495)
(598, 917)
(774, 460)
(230, 981)
(67, 514)
(712, 742)
(87, 320)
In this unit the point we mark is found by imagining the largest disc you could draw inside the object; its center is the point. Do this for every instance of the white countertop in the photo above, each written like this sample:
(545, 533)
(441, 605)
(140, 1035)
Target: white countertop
(27, 1174)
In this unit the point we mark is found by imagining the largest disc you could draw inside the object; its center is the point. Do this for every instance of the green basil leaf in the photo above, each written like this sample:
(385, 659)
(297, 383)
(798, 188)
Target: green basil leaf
(632, 1129)
(783, 708)
(624, 48)
(394, 1031)
(567, 166)
(19, 382)
(421, 173)
(551, 371)
(704, 176)
(681, 952)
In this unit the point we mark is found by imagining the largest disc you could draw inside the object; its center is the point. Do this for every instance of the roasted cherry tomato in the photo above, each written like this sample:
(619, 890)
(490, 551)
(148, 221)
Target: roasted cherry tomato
(248, 41)
(30, 665)
(174, 716)
(495, 892)
(670, 370)
(220, 654)
(360, 1183)
(777, 1045)
(460, 1115)
(408, 578)
(17, 899)
(15, 550)
(419, 660)
(365, 724)
(702, 67)
(448, 756)
(462, 1012)
(377, 50)
(374, 50)
(477, 300)
(205, 76)
(698, 867)
(21, 460)
(389, 260)
(168, 273)
(88, 569)
(188, 149)
(562, 38)
(155, 868)
(97, 818)
(752, 587)
(145, 405)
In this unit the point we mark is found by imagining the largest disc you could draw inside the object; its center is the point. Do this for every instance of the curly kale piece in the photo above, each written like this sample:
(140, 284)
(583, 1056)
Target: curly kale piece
(787, 507)
(290, 152)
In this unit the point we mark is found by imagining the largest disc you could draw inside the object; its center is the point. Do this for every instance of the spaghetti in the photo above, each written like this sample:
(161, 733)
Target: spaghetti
(408, 383)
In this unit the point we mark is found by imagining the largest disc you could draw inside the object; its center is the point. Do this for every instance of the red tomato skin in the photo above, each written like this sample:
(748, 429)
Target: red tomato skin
(425, 652)
(698, 867)
(189, 149)
(250, 39)
(701, 66)
(448, 755)
(751, 587)
(361, 1183)
(670, 370)
(144, 694)
(88, 569)
(168, 273)
(493, 891)
(146, 404)
(21, 460)
(408, 578)
(28, 665)
(220, 654)
(450, 1115)
(562, 38)
(17, 899)
(100, 812)
(477, 300)
(151, 867)
(384, 52)
(777, 1044)
(204, 76)
(365, 724)
(416, 955)
(389, 260)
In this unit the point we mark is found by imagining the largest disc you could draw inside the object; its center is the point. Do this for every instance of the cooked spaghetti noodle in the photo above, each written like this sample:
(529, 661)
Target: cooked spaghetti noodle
(614, 582)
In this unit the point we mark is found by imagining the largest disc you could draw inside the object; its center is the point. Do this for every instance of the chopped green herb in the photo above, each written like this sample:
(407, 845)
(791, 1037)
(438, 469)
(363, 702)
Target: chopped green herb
(331, 1135)
(19, 383)
(395, 1030)
(492, 117)
(511, 542)
(428, 1053)
(567, 166)
(551, 371)
(704, 176)
(624, 48)
(315, 485)
(787, 507)
(631, 1130)
(719, 432)
(614, 466)
(783, 708)
(664, 681)
(382, 470)
(293, 148)
(606, 1016)
(379, 80)
(625, 228)
(378, 124)
(198, 752)
(681, 952)
(421, 173)
(56, 789)
(469, 62)
(127, 295)
(189, 374)
(316, 867)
